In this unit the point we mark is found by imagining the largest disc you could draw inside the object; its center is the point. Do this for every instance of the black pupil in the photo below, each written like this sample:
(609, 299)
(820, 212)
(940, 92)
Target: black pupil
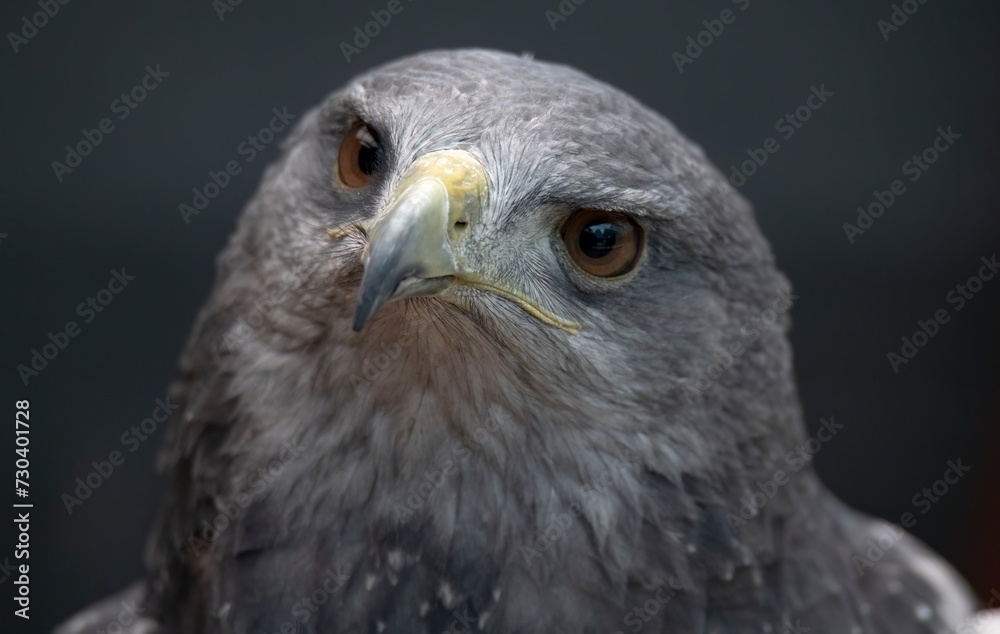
(598, 239)
(370, 154)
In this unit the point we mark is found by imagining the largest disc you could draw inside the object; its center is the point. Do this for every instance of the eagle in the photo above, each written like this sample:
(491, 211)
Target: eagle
(494, 348)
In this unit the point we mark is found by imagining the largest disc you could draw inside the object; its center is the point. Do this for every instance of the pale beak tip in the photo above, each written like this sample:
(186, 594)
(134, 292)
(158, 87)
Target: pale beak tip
(360, 321)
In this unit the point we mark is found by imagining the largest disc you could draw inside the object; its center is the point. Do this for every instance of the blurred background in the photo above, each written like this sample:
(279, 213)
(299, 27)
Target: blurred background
(214, 71)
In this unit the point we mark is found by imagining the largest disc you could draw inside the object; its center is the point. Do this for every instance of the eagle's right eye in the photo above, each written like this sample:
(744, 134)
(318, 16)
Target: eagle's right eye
(361, 156)
(603, 243)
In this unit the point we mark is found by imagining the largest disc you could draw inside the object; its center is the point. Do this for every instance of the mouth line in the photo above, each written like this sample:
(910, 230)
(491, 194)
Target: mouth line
(464, 279)
(536, 311)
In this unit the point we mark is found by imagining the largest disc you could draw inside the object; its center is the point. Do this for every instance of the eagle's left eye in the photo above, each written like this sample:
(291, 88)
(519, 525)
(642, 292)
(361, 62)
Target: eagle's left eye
(603, 243)
(361, 156)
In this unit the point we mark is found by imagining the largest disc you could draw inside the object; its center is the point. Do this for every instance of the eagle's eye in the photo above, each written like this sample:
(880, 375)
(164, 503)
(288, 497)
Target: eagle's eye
(603, 243)
(361, 155)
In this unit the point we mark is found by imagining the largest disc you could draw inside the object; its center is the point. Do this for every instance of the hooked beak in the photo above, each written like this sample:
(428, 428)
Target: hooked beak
(415, 245)
(412, 248)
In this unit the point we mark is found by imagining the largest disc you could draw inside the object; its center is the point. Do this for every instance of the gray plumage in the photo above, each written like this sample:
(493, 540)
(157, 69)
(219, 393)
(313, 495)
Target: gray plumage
(459, 465)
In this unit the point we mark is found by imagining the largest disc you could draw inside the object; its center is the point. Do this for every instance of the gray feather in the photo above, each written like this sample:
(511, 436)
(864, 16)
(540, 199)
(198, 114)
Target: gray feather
(495, 474)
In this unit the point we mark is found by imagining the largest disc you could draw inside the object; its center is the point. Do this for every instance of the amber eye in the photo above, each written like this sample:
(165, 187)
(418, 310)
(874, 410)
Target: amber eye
(603, 243)
(361, 156)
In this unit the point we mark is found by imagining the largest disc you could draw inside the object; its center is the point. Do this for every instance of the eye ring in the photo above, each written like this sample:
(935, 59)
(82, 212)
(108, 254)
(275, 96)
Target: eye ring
(361, 156)
(604, 244)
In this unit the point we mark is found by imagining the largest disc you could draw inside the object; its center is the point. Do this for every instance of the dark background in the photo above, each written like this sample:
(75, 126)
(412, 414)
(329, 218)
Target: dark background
(120, 208)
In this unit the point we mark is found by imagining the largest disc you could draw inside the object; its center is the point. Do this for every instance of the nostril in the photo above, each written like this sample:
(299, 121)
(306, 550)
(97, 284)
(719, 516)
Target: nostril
(461, 225)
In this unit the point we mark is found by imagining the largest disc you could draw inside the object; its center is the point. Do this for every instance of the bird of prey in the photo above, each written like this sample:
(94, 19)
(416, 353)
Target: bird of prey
(494, 348)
